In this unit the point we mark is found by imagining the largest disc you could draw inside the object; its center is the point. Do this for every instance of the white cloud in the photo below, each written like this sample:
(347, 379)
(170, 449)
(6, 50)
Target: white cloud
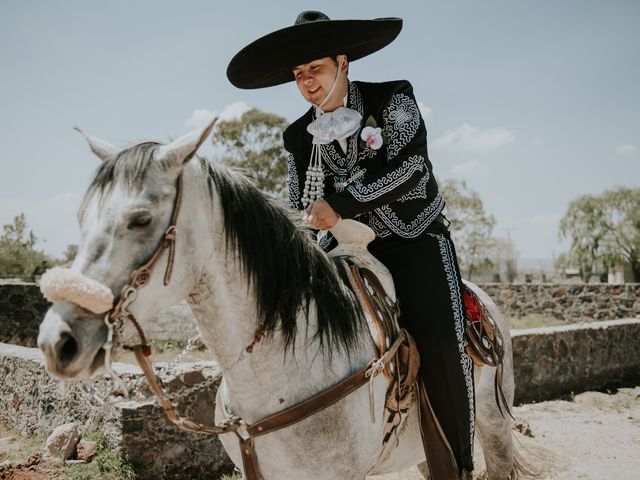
(472, 138)
(53, 220)
(425, 111)
(470, 168)
(627, 149)
(202, 116)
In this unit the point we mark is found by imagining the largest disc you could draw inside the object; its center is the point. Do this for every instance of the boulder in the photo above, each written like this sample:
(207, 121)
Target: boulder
(86, 450)
(62, 443)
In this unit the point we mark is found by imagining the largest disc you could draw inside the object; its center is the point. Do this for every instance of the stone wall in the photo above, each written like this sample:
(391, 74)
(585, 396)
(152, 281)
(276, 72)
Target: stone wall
(549, 362)
(567, 302)
(22, 307)
(32, 403)
(554, 361)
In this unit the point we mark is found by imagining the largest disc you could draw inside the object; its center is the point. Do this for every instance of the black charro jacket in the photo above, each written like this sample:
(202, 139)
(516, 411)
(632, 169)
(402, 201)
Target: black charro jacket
(396, 194)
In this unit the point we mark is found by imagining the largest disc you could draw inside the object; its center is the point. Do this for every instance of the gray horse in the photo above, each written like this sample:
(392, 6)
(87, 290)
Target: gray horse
(243, 262)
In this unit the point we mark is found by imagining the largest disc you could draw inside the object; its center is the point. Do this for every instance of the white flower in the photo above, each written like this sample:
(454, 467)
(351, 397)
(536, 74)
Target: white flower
(372, 137)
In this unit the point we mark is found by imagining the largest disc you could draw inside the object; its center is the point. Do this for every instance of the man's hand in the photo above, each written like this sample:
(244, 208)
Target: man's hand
(320, 215)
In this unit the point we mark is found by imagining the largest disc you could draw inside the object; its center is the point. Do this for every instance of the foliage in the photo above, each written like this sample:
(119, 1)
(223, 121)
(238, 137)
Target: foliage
(253, 143)
(18, 255)
(69, 254)
(604, 229)
(472, 230)
(107, 464)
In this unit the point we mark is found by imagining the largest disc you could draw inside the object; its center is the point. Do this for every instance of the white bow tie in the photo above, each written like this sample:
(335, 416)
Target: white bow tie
(337, 125)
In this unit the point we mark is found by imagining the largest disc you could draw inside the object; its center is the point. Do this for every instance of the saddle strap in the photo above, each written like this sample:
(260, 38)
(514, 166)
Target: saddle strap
(305, 409)
(442, 464)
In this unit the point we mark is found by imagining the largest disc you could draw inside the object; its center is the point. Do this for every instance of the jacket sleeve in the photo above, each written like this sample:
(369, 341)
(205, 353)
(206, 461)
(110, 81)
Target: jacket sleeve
(405, 140)
(295, 177)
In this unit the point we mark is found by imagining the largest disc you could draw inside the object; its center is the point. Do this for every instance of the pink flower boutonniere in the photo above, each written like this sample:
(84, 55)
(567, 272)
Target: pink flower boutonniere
(371, 137)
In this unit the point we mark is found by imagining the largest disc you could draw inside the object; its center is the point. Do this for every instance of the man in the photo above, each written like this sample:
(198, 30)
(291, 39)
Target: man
(360, 152)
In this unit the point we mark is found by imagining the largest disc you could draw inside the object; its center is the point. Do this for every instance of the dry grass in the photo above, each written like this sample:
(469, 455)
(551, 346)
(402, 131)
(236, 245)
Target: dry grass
(15, 448)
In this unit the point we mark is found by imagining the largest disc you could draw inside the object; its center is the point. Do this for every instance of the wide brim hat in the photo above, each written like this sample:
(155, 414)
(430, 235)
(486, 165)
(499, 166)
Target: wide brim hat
(270, 60)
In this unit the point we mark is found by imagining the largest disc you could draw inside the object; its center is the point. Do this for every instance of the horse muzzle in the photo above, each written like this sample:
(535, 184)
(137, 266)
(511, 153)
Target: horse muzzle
(71, 340)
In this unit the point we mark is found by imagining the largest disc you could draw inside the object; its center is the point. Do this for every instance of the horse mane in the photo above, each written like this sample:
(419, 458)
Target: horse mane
(130, 166)
(286, 267)
(283, 263)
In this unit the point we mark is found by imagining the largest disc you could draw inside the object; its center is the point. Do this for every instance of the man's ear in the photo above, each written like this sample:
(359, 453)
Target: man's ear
(345, 63)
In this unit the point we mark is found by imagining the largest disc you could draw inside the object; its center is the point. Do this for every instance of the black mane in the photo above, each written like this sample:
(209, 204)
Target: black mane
(286, 267)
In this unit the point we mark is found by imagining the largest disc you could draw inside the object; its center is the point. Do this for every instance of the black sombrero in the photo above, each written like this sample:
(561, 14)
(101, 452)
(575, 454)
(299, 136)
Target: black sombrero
(269, 60)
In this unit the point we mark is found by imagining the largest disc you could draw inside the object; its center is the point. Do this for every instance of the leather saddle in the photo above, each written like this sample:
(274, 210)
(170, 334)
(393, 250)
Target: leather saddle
(372, 284)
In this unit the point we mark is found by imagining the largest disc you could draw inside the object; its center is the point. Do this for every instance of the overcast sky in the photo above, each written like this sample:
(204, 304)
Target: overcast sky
(531, 103)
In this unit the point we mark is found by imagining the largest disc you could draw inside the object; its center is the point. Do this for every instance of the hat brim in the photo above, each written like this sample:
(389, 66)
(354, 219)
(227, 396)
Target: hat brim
(270, 60)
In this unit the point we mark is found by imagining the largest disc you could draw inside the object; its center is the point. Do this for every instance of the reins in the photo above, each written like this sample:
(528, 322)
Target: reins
(246, 433)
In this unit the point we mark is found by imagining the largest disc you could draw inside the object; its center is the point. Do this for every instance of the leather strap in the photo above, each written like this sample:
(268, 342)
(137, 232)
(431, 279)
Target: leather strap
(307, 408)
(442, 464)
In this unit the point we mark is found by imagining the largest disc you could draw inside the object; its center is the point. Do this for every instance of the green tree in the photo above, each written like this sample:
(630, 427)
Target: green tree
(471, 228)
(253, 143)
(604, 229)
(69, 255)
(18, 255)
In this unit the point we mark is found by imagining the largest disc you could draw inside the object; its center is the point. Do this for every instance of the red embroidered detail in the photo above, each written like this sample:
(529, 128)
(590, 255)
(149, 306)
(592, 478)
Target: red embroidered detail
(472, 307)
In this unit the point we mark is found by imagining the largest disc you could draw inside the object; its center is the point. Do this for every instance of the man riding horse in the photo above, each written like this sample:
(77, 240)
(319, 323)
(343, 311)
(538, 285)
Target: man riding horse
(360, 152)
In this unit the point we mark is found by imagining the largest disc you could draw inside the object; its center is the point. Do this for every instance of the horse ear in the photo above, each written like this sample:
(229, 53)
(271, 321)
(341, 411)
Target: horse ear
(104, 150)
(180, 151)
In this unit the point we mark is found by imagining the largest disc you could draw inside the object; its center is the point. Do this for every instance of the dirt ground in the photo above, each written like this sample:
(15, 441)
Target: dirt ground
(596, 436)
(592, 436)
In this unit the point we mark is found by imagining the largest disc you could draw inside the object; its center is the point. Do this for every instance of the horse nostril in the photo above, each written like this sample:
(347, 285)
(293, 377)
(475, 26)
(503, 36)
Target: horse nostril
(67, 348)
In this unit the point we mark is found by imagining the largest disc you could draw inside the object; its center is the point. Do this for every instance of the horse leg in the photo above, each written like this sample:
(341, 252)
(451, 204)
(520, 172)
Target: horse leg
(493, 427)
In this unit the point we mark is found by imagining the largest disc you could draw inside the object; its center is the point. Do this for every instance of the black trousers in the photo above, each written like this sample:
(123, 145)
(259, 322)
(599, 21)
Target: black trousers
(428, 285)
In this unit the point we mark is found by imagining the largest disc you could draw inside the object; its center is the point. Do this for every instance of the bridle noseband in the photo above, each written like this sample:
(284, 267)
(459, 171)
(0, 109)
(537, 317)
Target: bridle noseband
(140, 277)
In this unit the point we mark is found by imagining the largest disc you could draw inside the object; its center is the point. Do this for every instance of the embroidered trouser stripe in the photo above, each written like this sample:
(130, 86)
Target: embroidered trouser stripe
(428, 285)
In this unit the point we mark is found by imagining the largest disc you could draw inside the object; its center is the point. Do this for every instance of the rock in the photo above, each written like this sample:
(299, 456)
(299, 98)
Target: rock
(86, 450)
(61, 444)
(192, 378)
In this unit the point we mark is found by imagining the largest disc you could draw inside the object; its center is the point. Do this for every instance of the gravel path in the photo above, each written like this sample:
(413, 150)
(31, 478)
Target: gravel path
(594, 437)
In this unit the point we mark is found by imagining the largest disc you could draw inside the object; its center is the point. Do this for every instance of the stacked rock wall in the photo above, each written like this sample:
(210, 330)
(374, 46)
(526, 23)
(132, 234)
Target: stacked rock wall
(32, 403)
(548, 362)
(554, 361)
(22, 307)
(567, 302)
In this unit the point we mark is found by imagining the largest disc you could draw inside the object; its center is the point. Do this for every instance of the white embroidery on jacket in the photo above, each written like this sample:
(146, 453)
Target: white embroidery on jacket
(324, 238)
(370, 191)
(417, 225)
(293, 183)
(378, 227)
(401, 120)
(419, 192)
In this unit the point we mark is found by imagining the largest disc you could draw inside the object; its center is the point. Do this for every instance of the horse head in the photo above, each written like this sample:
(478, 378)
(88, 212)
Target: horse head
(123, 219)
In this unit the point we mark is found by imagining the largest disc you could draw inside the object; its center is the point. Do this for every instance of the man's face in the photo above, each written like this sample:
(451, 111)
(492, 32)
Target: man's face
(314, 79)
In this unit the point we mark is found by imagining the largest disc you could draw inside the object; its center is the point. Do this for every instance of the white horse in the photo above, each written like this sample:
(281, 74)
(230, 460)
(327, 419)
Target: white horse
(243, 263)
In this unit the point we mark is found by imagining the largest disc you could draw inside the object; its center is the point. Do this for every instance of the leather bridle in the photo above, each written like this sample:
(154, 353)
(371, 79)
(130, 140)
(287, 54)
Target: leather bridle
(120, 313)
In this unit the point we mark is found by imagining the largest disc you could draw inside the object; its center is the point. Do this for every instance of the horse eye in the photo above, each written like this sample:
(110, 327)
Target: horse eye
(139, 221)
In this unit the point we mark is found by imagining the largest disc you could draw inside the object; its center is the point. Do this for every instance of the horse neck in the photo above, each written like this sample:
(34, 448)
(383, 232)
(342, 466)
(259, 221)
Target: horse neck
(225, 307)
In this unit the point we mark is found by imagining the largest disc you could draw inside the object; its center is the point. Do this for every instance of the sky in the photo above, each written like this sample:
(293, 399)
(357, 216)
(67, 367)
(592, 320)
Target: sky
(532, 104)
